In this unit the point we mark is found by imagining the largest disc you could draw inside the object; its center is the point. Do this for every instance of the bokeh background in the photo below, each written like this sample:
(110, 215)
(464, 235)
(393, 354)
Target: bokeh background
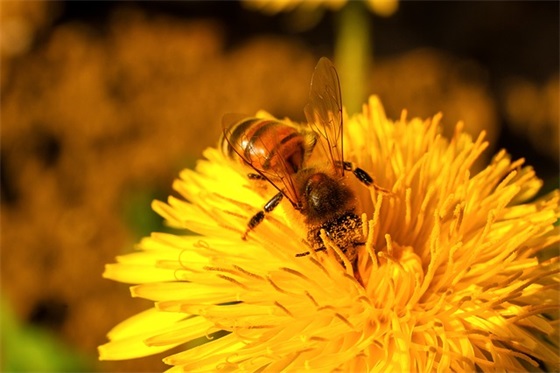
(103, 103)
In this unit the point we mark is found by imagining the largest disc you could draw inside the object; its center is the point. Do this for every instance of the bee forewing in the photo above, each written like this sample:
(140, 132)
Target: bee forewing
(324, 113)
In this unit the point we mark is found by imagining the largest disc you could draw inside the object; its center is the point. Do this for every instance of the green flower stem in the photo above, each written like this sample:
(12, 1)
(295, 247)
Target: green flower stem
(353, 53)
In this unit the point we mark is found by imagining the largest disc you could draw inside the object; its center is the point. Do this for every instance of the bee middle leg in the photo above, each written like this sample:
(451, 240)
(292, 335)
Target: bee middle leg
(259, 216)
(363, 176)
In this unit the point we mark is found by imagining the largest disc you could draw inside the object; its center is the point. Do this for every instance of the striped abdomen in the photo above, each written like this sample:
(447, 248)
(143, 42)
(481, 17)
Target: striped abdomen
(268, 145)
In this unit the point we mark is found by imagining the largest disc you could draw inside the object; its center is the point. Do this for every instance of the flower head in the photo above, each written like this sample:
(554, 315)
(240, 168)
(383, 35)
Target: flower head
(449, 277)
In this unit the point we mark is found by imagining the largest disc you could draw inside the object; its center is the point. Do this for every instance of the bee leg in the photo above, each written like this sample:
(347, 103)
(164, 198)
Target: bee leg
(259, 216)
(363, 176)
(306, 253)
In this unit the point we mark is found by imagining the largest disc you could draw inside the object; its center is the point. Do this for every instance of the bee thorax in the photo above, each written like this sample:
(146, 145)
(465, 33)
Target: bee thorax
(324, 198)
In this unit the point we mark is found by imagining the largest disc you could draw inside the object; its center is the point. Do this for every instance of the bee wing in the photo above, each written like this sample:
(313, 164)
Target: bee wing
(254, 152)
(324, 112)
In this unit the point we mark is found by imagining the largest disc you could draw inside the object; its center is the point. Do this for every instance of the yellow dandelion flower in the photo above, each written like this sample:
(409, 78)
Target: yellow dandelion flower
(449, 278)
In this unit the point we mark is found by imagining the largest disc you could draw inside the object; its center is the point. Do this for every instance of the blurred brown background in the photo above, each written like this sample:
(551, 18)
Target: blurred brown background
(103, 103)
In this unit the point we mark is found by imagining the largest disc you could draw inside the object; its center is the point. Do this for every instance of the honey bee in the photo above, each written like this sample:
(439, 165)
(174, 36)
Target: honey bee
(305, 164)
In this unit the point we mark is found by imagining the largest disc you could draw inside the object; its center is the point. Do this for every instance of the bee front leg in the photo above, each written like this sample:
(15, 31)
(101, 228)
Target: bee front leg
(259, 216)
(363, 176)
